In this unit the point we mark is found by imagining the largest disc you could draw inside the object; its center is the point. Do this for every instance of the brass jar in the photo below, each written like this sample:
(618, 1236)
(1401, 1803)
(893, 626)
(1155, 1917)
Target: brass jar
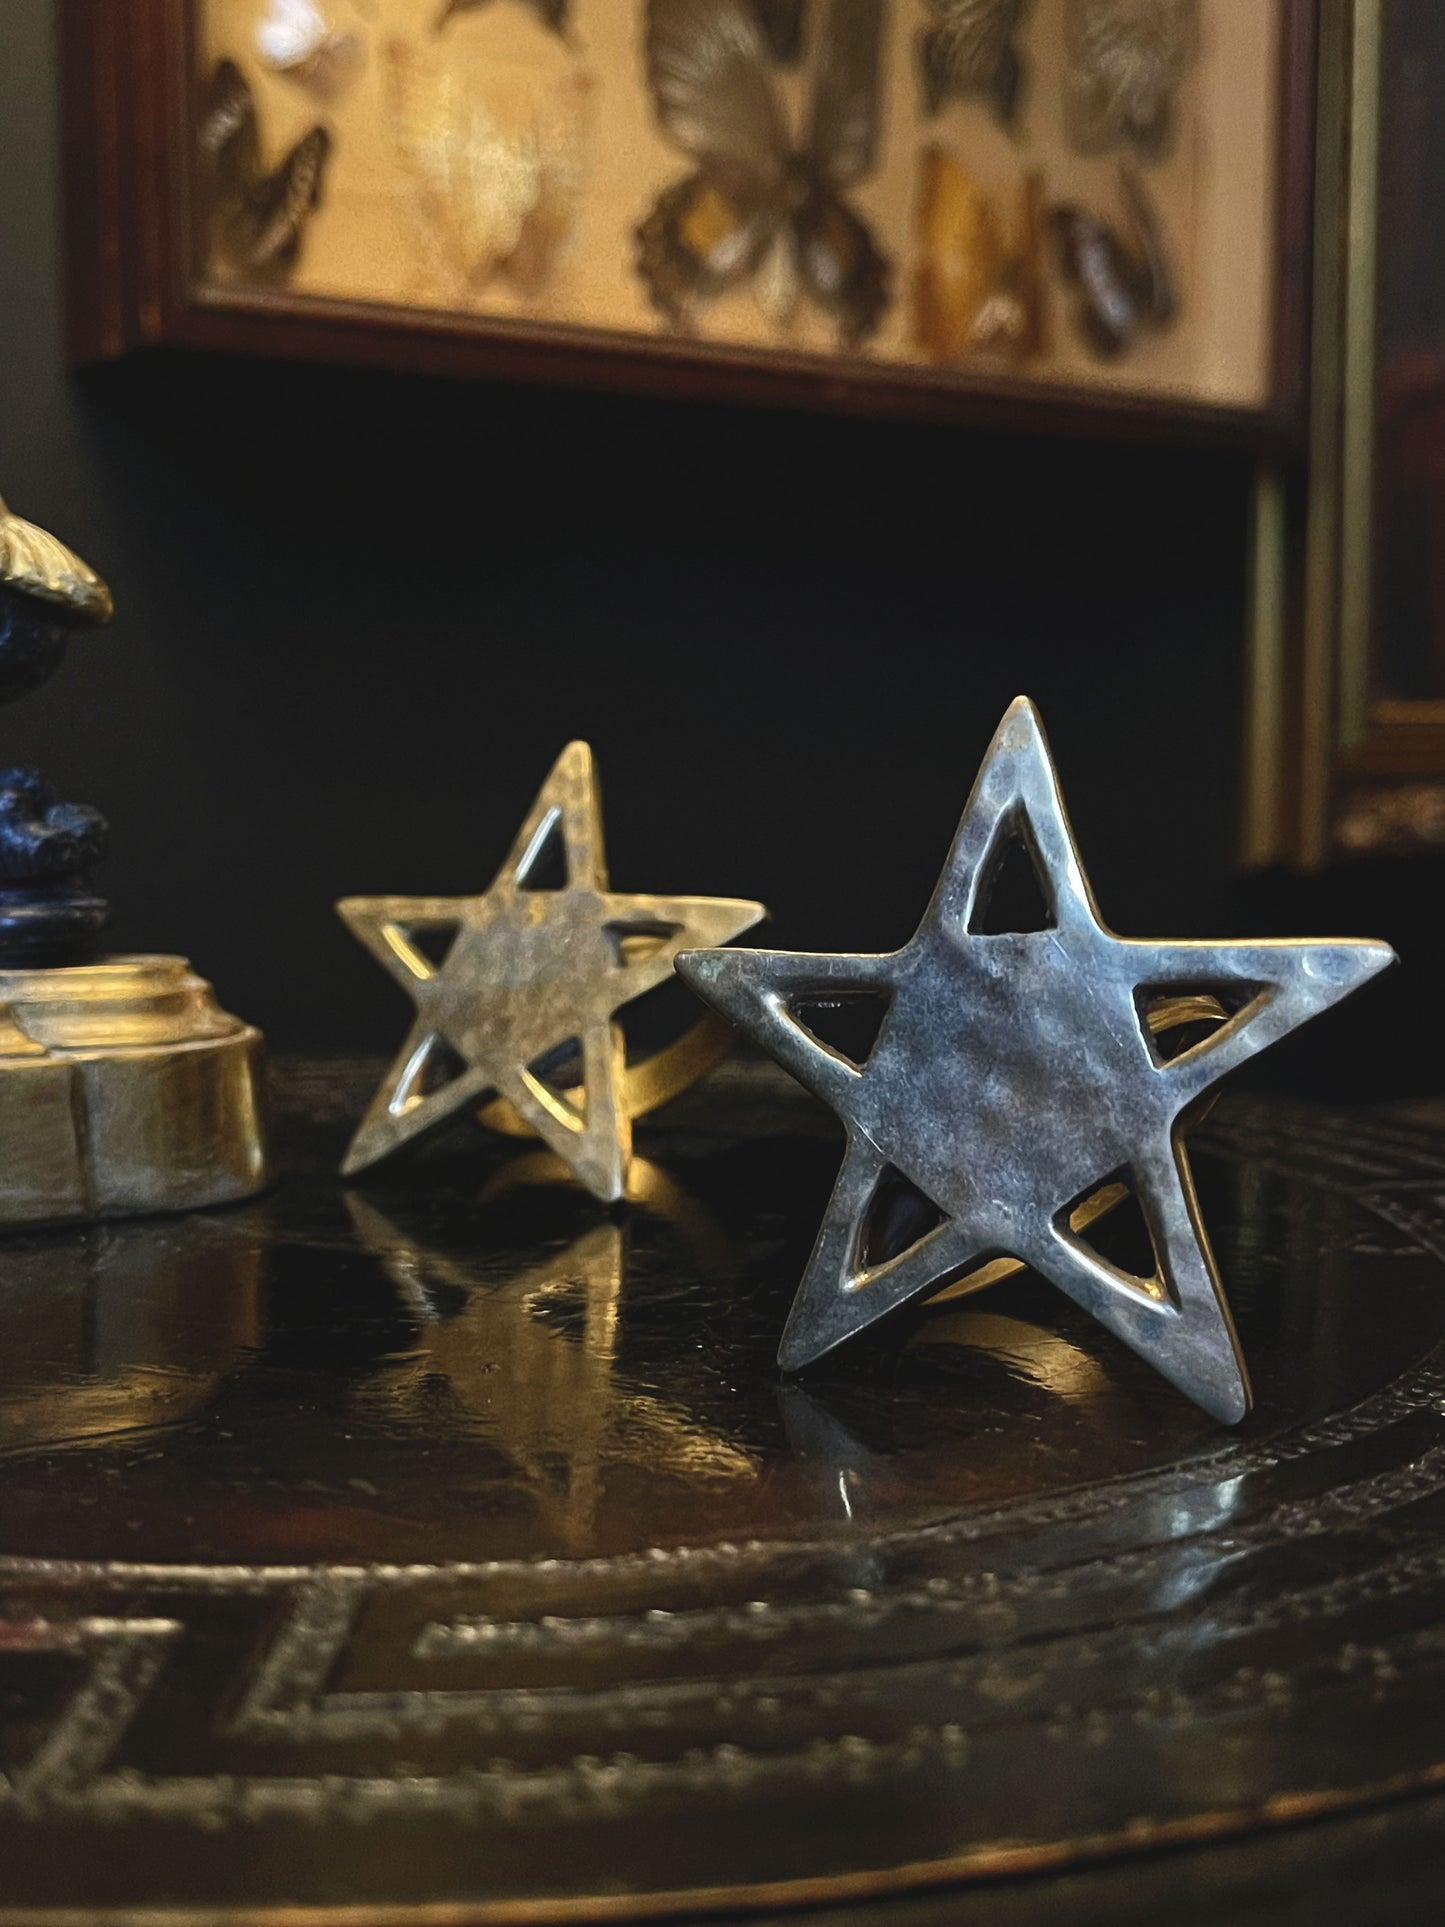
(124, 1088)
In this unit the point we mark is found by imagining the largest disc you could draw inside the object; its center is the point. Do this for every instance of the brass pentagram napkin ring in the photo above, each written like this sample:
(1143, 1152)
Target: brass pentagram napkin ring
(517, 1018)
(1020, 1080)
(643, 1086)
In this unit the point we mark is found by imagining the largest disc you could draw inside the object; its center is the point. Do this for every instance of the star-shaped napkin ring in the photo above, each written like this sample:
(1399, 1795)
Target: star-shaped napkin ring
(1017, 1079)
(517, 994)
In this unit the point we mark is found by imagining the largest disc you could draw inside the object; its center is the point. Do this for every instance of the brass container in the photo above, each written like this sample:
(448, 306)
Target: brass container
(124, 1088)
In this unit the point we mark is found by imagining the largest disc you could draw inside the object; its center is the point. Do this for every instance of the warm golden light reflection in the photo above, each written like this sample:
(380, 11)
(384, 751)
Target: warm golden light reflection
(112, 1335)
(1043, 1356)
(533, 1361)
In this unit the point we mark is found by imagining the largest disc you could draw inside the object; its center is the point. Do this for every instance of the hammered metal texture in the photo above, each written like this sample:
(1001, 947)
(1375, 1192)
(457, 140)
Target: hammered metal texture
(124, 1089)
(455, 1554)
(1014, 1073)
(534, 978)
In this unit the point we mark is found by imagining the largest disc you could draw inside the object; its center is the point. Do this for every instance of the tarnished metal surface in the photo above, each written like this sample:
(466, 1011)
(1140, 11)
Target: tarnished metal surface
(124, 1088)
(428, 1555)
(531, 984)
(35, 563)
(1014, 1074)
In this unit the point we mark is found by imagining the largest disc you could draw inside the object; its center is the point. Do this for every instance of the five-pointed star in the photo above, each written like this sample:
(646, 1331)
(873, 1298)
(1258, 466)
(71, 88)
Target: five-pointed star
(531, 982)
(1013, 1074)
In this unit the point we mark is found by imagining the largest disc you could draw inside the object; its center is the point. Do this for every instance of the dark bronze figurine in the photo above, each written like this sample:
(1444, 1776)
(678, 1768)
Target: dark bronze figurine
(124, 1087)
(48, 912)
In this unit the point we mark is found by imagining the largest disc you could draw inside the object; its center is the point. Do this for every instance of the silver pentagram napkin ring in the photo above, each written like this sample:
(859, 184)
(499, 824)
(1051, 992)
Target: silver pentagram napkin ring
(1021, 1081)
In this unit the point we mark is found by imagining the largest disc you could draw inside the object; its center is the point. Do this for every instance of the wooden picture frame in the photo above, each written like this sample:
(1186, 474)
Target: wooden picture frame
(1345, 723)
(136, 279)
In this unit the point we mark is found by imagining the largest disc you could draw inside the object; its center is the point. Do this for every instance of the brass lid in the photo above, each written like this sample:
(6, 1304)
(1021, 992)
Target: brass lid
(34, 563)
(118, 1004)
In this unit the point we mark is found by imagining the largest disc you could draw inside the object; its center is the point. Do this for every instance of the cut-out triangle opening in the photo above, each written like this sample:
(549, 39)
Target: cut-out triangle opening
(432, 940)
(434, 1065)
(1012, 895)
(1108, 1223)
(1179, 1019)
(846, 1023)
(898, 1217)
(561, 1073)
(544, 865)
(636, 943)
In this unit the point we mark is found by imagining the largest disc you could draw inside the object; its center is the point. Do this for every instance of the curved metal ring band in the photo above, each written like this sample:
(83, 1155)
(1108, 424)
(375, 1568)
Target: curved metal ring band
(644, 1085)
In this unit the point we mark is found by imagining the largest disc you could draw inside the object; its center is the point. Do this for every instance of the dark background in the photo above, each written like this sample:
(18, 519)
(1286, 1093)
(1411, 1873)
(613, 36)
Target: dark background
(1410, 340)
(360, 613)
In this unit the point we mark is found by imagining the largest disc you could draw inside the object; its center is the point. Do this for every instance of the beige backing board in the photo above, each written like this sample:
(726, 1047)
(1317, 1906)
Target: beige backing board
(484, 162)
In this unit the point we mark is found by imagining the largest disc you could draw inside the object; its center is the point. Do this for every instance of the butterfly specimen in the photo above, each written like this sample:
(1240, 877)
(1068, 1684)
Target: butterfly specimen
(1124, 281)
(782, 22)
(978, 286)
(551, 13)
(762, 208)
(256, 220)
(496, 149)
(294, 40)
(1126, 60)
(970, 52)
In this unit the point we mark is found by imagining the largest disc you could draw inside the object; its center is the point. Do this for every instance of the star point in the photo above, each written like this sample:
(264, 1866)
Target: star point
(520, 1006)
(1019, 1076)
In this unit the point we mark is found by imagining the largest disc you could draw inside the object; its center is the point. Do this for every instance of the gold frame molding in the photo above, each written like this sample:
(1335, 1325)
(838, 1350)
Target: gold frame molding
(1330, 767)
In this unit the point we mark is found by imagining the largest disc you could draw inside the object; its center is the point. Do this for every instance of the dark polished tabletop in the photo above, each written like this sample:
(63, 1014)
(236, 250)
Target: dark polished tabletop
(444, 1547)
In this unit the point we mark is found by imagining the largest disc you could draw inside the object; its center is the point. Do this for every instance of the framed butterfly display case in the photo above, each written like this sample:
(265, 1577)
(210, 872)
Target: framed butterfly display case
(972, 207)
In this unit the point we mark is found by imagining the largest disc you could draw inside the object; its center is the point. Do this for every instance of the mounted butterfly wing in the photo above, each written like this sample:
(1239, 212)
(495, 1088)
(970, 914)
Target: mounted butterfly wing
(1127, 60)
(1124, 280)
(495, 159)
(714, 98)
(782, 22)
(760, 208)
(839, 262)
(971, 53)
(978, 283)
(255, 221)
(296, 41)
(228, 141)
